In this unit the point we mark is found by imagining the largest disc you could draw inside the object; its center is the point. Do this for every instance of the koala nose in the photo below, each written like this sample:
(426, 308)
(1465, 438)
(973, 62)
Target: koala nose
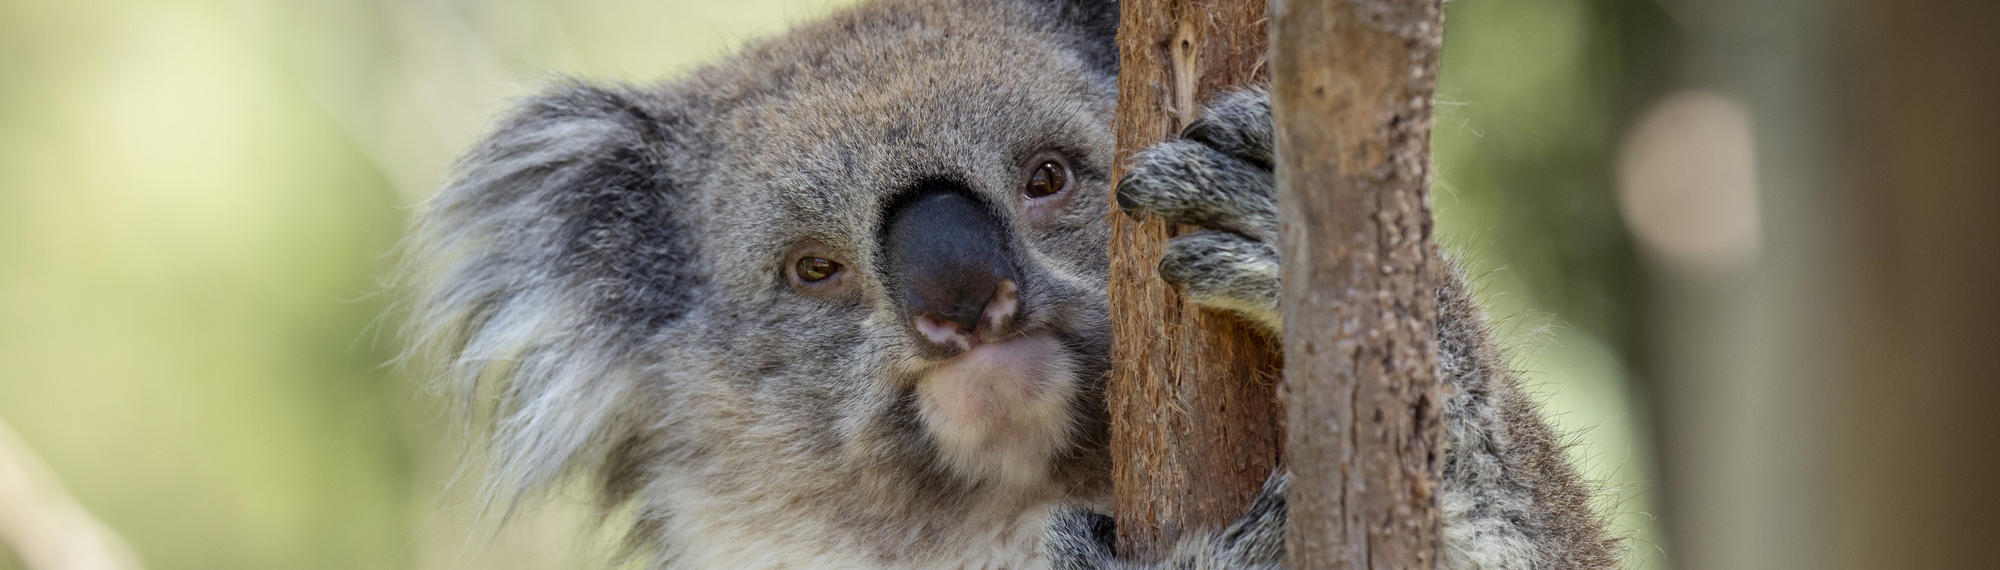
(947, 263)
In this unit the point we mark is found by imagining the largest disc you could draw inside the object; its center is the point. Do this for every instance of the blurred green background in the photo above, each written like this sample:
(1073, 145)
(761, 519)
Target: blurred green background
(199, 200)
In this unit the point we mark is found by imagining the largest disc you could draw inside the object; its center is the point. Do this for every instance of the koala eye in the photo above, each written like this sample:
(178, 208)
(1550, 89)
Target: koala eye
(815, 269)
(812, 269)
(1048, 177)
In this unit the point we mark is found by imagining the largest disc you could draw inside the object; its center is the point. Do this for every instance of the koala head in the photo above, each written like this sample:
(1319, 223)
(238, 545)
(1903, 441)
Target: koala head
(855, 273)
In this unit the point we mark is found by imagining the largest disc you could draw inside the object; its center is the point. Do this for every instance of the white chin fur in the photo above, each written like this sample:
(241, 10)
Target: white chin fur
(1000, 411)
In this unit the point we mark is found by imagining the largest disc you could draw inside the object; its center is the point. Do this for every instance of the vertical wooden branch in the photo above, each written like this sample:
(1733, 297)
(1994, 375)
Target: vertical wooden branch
(1194, 419)
(1351, 93)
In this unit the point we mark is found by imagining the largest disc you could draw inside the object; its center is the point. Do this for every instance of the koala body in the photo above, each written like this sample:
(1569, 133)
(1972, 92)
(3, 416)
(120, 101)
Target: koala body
(838, 301)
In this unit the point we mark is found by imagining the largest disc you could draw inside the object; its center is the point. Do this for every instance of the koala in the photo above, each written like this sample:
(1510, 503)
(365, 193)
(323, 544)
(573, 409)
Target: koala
(838, 301)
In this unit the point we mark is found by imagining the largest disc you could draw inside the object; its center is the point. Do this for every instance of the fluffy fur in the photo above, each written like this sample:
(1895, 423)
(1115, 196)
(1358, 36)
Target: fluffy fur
(605, 282)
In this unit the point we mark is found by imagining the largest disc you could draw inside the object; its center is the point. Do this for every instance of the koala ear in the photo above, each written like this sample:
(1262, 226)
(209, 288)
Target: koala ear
(1093, 27)
(554, 250)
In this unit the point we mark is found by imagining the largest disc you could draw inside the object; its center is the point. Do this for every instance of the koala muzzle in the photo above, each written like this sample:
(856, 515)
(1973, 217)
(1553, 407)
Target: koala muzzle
(947, 263)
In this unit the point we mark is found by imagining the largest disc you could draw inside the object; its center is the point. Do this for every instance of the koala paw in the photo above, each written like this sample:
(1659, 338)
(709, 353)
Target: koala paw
(1226, 271)
(1082, 540)
(1217, 176)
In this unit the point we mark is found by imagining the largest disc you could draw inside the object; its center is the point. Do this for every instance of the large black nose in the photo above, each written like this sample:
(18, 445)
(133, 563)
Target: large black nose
(946, 258)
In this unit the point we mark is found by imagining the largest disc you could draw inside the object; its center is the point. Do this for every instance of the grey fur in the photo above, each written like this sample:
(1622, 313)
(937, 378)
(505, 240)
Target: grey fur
(604, 282)
(1238, 124)
(1229, 196)
(1081, 540)
(1227, 271)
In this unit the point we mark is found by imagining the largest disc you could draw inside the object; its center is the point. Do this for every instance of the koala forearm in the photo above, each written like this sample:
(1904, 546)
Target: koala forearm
(1511, 497)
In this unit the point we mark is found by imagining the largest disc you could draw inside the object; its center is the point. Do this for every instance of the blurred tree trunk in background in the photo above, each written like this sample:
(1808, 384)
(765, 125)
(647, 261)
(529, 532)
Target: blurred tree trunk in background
(1835, 398)
(1919, 125)
(1194, 417)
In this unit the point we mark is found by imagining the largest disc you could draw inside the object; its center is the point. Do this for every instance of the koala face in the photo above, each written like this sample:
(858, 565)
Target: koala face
(850, 278)
(860, 232)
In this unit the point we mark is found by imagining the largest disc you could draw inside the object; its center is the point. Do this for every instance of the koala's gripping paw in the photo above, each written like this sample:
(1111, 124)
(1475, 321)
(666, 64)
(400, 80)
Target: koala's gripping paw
(1082, 540)
(1238, 124)
(1226, 271)
(1217, 176)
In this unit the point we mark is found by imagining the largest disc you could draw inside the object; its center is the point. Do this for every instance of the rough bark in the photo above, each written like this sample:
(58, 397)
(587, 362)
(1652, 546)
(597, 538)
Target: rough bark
(1192, 393)
(1352, 92)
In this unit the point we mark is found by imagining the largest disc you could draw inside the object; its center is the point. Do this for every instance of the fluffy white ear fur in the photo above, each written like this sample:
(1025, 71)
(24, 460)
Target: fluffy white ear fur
(520, 352)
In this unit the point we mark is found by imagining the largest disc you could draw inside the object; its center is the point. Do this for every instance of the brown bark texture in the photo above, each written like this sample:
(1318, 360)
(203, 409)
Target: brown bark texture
(1194, 429)
(1352, 91)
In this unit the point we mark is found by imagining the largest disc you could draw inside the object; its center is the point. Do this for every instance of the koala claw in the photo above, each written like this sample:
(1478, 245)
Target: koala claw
(1238, 124)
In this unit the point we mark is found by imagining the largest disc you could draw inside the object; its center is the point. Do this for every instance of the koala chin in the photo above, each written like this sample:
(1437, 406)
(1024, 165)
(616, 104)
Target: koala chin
(838, 301)
(1000, 412)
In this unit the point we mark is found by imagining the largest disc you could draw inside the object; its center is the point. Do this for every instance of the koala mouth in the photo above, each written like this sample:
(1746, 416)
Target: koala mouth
(1000, 411)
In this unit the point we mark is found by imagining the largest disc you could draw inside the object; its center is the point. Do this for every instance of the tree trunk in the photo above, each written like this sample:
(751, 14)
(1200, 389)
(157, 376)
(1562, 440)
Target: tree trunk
(1351, 93)
(1194, 427)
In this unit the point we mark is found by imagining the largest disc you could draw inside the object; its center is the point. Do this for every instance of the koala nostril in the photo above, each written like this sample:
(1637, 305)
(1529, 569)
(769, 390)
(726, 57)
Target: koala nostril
(996, 320)
(999, 313)
(943, 333)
